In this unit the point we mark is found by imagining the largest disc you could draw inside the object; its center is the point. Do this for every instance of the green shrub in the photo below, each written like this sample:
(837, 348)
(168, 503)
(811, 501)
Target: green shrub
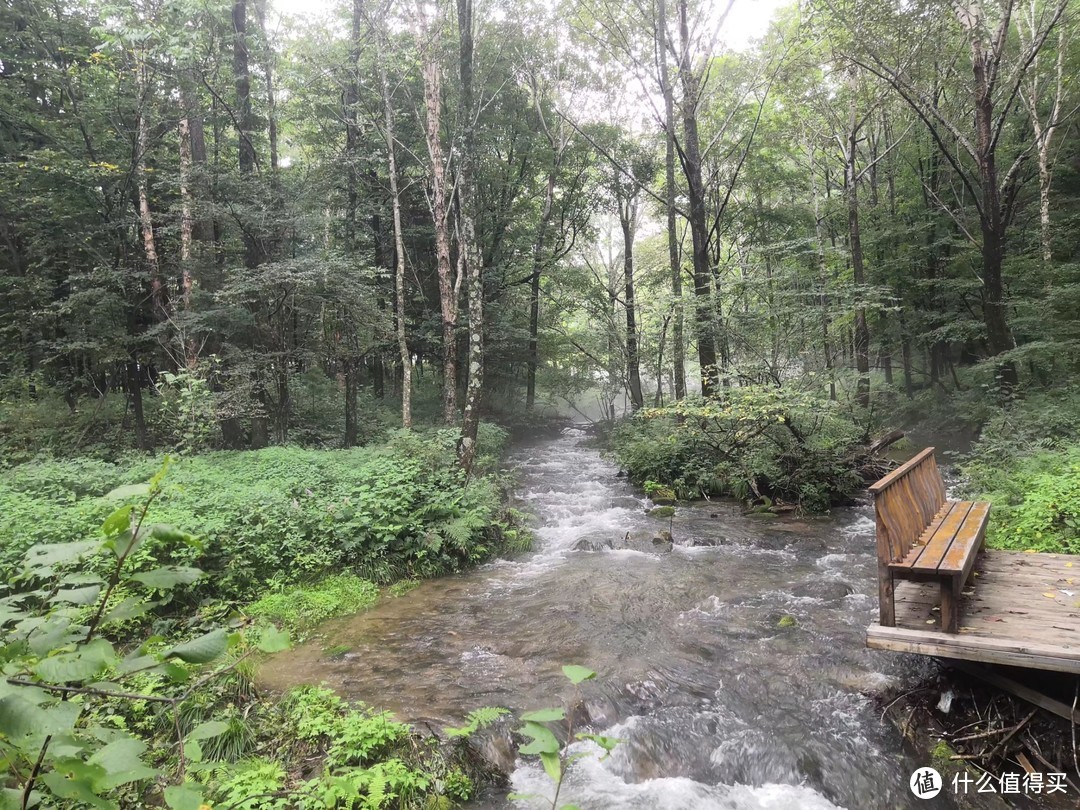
(298, 608)
(283, 515)
(1036, 499)
(756, 443)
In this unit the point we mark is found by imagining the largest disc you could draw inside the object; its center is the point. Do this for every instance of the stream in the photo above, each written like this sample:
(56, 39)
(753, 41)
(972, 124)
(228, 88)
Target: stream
(717, 703)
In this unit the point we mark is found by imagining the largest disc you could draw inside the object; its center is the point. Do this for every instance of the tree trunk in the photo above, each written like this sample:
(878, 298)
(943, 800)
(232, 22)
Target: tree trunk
(862, 332)
(448, 287)
(534, 285)
(468, 246)
(992, 221)
(134, 386)
(678, 342)
(146, 220)
(399, 242)
(244, 120)
(627, 215)
(696, 195)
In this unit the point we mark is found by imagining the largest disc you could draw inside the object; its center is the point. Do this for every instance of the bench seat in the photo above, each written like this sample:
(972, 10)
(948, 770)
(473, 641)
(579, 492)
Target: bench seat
(923, 536)
(945, 553)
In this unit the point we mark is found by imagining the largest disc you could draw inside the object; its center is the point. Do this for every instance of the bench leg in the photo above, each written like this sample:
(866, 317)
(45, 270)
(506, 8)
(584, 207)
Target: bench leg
(886, 603)
(950, 605)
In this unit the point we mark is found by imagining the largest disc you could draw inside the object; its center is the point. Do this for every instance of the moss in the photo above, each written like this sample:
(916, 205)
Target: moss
(941, 755)
(662, 512)
(787, 621)
(337, 651)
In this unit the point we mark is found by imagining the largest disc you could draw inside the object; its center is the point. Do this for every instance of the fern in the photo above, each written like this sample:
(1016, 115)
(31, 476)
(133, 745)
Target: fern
(478, 719)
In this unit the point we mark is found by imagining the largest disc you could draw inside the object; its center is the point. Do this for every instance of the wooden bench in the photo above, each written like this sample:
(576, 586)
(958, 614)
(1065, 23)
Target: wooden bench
(922, 536)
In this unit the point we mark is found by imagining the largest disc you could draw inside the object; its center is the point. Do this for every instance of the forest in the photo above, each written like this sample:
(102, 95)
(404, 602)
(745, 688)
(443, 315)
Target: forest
(282, 287)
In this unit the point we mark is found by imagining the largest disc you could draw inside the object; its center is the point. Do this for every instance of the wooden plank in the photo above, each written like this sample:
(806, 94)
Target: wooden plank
(892, 477)
(967, 538)
(927, 557)
(1032, 696)
(1016, 653)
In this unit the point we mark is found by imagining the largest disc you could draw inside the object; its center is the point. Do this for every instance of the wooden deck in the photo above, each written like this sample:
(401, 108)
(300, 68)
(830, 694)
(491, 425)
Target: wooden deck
(1017, 609)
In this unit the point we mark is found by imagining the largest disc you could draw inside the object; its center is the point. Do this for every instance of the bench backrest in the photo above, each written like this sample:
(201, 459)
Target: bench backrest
(905, 502)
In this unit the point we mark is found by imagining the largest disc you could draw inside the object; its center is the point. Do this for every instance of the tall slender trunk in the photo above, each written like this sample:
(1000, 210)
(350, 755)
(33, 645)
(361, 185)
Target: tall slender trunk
(627, 215)
(146, 219)
(822, 268)
(992, 220)
(449, 288)
(534, 286)
(858, 270)
(467, 241)
(703, 314)
(399, 243)
(678, 342)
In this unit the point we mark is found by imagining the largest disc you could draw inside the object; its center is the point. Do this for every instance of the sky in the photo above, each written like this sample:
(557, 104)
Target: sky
(748, 19)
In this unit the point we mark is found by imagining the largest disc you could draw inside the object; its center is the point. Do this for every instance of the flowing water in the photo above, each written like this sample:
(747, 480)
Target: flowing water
(716, 703)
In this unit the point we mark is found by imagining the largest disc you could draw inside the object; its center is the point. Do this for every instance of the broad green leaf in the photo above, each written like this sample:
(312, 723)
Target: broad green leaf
(78, 596)
(202, 649)
(177, 673)
(120, 760)
(42, 559)
(130, 608)
(168, 576)
(552, 765)
(74, 779)
(193, 751)
(578, 674)
(129, 491)
(188, 796)
(543, 741)
(118, 521)
(272, 640)
(544, 715)
(80, 665)
(211, 728)
(53, 633)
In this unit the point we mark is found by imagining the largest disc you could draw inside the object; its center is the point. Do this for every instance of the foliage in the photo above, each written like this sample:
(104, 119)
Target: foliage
(283, 515)
(755, 443)
(62, 669)
(302, 606)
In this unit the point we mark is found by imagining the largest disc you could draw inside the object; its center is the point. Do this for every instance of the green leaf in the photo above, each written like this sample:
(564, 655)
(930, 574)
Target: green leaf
(78, 596)
(202, 649)
(130, 608)
(171, 535)
(552, 765)
(42, 559)
(128, 492)
(75, 779)
(272, 640)
(607, 743)
(211, 728)
(543, 741)
(188, 796)
(193, 751)
(578, 674)
(121, 762)
(168, 577)
(80, 665)
(118, 521)
(544, 715)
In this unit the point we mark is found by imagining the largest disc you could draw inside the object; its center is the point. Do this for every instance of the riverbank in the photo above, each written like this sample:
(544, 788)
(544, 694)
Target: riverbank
(157, 628)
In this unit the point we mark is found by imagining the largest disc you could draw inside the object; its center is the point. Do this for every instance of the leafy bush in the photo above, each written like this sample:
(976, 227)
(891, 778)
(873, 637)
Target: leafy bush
(300, 607)
(283, 515)
(760, 443)
(1036, 499)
